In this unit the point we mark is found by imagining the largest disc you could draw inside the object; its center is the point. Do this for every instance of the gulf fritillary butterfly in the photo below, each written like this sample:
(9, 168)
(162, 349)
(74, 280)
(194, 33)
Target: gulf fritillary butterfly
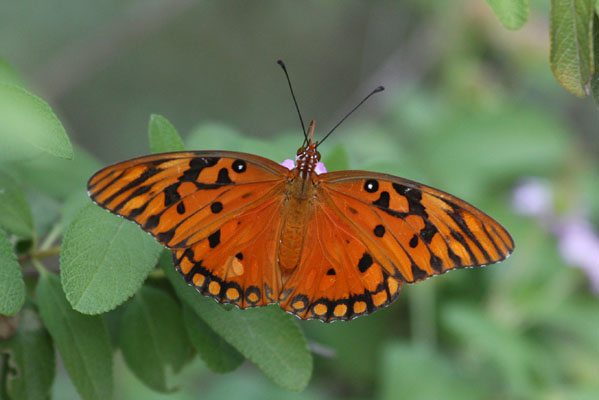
(248, 231)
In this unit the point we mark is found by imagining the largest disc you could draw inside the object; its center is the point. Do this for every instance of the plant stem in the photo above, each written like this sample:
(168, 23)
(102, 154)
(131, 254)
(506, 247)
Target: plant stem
(51, 237)
(38, 266)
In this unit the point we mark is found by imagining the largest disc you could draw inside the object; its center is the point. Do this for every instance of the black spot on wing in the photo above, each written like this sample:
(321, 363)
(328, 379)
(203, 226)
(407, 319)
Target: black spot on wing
(223, 177)
(181, 208)
(365, 262)
(214, 239)
(165, 237)
(414, 241)
(379, 231)
(371, 186)
(436, 263)
(383, 200)
(171, 195)
(152, 222)
(331, 271)
(216, 207)
(239, 166)
(418, 273)
(428, 232)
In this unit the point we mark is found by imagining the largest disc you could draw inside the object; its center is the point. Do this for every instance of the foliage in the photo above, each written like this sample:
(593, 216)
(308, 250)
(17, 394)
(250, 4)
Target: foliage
(122, 319)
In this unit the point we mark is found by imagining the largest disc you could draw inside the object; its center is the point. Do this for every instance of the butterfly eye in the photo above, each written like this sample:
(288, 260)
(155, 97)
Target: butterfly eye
(318, 155)
(301, 150)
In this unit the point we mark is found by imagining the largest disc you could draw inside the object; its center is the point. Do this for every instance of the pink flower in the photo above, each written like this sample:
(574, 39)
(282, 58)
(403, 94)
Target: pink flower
(290, 164)
(533, 198)
(579, 246)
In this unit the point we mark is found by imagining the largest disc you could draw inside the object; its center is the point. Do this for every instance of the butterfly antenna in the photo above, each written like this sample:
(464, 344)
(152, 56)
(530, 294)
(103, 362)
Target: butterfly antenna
(282, 64)
(378, 89)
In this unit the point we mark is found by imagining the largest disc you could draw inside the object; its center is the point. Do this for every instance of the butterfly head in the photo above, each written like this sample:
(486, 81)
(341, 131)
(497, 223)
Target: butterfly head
(307, 156)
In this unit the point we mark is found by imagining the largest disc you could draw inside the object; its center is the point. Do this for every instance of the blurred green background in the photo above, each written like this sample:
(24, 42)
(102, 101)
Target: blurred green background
(469, 107)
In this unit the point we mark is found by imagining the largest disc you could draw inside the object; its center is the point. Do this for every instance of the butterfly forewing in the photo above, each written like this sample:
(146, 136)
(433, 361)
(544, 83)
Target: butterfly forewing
(183, 197)
(413, 230)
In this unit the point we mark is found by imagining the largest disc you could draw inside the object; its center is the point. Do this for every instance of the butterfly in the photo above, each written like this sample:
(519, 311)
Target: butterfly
(248, 231)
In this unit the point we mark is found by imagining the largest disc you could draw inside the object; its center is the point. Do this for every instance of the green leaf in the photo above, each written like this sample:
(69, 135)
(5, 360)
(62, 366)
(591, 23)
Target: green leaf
(72, 206)
(570, 31)
(163, 135)
(57, 177)
(15, 215)
(219, 355)
(29, 127)
(512, 13)
(403, 366)
(267, 336)
(12, 287)
(153, 338)
(9, 75)
(104, 259)
(31, 362)
(82, 340)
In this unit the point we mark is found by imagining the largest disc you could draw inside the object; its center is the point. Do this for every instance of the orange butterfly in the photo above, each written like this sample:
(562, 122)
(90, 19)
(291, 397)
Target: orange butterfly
(248, 231)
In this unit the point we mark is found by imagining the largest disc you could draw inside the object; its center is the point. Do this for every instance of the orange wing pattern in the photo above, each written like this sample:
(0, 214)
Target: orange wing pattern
(336, 278)
(414, 231)
(218, 212)
(184, 197)
(371, 233)
(223, 215)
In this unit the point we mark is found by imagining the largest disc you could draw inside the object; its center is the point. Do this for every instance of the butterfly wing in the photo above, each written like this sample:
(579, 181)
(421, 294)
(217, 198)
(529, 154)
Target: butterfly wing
(380, 231)
(217, 211)
(336, 278)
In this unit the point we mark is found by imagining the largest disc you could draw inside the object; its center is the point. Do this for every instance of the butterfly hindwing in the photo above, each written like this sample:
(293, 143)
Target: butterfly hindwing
(235, 263)
(338, 277)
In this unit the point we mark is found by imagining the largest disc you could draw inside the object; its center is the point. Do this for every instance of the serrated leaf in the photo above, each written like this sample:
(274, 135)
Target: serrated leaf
(513, 14)
(15, 215)
(267, 336)
(31, 362)
(152, 337)
(9, 75)
(29, 127)
(82, 340)
(570, 31)
(104, 259)
(163, 135)
(12, 287)
(218, 355)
